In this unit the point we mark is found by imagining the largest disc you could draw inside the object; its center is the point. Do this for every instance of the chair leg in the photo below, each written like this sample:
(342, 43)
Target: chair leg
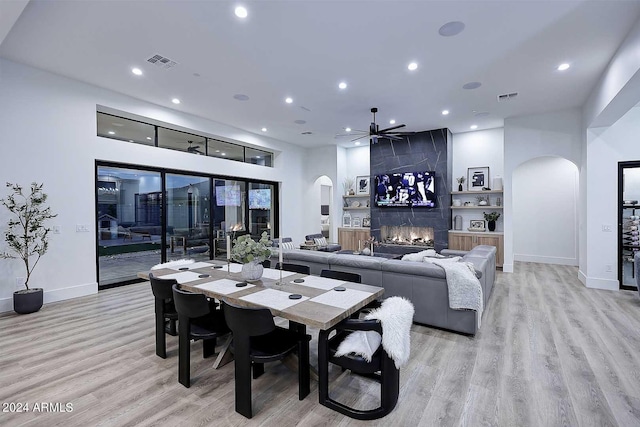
(304, 387)
(172, 330)
(208, 347)
(242, 375)
(161, 341)
(258, 369)
(323, 367)
(184, 351)
(389, 384)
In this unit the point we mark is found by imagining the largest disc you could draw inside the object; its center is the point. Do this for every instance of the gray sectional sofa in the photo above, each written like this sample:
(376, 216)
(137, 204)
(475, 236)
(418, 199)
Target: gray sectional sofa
(422, 283)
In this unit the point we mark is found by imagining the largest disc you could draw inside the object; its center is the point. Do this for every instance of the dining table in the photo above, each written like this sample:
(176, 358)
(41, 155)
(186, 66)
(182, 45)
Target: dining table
(304, 300)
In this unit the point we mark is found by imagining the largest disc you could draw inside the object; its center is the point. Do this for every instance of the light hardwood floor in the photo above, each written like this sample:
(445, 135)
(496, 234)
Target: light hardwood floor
(550, 352)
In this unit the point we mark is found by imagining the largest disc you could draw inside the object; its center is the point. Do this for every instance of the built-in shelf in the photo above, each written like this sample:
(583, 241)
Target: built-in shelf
(356, 196)
(495, 233)
(350, 208)
(477, 192)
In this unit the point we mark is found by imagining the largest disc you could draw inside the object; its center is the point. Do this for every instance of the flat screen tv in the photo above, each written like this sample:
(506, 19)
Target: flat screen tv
(260, 198)
(407, 189)
(228, 195)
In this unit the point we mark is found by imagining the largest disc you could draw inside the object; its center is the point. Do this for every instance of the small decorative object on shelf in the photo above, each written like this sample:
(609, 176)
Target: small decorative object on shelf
(457, 202)
(347, 185)
(482, 201)
(461, 181)
(476, 225)
(357, 222)
(366, 221)
(346, 219)
(491, 219)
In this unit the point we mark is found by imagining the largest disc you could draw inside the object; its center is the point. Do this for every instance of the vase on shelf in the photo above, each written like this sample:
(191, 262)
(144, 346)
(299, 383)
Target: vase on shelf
(492, 225)
(459, 187)
(252, 271)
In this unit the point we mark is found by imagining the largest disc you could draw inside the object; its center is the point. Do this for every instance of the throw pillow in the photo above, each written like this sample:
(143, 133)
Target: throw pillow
(361, 343)
(287, 245)
(320, 241)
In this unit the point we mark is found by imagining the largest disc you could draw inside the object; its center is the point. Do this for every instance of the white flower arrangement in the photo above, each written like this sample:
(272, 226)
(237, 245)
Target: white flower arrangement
(245, 249)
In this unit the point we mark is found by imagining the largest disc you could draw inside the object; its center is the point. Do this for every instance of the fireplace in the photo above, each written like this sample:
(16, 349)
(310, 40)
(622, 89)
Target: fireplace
(406, 236)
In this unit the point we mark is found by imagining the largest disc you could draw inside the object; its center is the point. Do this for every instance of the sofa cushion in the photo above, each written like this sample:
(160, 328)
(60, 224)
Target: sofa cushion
(415, 268)
(357, 261)
(303, 255)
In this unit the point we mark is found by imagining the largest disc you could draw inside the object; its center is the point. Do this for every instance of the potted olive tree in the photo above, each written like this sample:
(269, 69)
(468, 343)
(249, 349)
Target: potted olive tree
(27, 239)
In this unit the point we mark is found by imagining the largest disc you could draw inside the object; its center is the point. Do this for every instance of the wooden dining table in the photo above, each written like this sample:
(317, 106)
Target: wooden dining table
(322, 302)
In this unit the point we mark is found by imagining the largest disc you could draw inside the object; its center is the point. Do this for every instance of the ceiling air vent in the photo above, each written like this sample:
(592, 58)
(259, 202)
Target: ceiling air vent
(162, 61)
(307, 133)
(507, 96)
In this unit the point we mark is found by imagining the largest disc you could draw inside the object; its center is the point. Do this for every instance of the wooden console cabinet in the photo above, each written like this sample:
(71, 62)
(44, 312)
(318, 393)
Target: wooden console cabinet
(348, 237)
(465, 241)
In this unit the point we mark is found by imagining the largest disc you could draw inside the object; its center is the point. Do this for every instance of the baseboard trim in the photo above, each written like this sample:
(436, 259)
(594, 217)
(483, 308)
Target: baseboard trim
(582, 277)
(507, 268)
(545, 259)
(54, 295)
(605, 284)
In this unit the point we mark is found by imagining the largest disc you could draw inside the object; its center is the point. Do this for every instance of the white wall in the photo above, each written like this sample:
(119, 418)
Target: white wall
(606, 147)
(545, 223)
(49, 135)
(358, 162)
(552, 134)
(320, 161)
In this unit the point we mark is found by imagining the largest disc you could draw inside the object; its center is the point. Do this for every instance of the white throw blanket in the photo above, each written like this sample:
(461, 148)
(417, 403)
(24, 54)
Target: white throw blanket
(396, 317)
(465, 290)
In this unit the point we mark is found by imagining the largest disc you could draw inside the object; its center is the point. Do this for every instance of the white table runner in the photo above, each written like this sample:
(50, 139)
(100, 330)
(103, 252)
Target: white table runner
(183, 276)
(342, 299)
(271, 273)
(320, 282)
(192, 266)
(223, 286)
(272, 298)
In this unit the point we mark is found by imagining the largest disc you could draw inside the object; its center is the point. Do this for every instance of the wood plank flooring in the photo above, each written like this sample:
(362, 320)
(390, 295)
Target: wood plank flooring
(550, 352)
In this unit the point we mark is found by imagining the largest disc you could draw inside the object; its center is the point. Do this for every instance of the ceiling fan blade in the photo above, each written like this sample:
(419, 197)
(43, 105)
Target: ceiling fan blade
(352, 134)
(393, 137)
(392, 128)
(360, 137)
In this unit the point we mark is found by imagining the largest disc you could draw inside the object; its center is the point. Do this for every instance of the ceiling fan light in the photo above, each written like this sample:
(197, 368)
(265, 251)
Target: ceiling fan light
(357, 142)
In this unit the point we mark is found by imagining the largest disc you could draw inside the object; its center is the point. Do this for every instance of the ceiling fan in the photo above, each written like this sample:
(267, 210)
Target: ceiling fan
(194, 149)
(374, 133)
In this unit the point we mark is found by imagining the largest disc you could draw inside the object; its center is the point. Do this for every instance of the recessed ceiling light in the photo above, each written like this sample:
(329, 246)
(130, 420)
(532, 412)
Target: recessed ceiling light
(264, 129)
(342, 85)
(412, 66)
(223, 154)
(445, 112)
(288, 100)
(347, 129)
(136, 71)
(217, 151)
(357, 142)
(131, 140)
(452, 28)
(472, 85)
(175, 101)
(392, 122)
(240, 97)
(241, 12)
(258, 157)
(299, 122)
(473, 127)
(563, 67)
(111, 132)
(149, 138)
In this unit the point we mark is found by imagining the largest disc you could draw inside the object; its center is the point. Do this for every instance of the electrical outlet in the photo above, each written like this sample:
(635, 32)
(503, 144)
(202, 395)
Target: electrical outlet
(56, 229)
(81, 228)
(606, 228)
(608, 268)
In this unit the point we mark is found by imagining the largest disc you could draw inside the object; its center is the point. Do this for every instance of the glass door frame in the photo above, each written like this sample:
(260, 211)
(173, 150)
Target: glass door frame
(163, 215)
(621, 167)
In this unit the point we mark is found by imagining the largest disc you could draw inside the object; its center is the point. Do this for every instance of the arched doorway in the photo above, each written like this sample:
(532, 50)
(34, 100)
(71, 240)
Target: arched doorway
(323, 189)
(545, 211)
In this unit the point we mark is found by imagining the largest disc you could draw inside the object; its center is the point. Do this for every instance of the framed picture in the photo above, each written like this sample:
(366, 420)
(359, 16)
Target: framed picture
(366, 222)
(477, 224)
(346, 220)
(362, 185)
(357, 222)
(477, 178)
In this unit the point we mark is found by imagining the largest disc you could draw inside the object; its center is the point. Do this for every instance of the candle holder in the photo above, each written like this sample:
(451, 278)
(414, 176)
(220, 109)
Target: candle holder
(279, 282)
(228, 266)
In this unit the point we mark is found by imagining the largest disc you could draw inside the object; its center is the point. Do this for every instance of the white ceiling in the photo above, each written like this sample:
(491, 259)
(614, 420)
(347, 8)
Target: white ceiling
(303, 49)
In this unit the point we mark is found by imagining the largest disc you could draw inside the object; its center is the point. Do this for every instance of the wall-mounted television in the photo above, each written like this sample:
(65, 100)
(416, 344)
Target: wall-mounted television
(228, 195)
(260, 198)
(407, 189)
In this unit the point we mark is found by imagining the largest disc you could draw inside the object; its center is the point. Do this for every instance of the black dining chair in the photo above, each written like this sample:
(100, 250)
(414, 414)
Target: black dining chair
(166, 314)
(197, 320)
(294, 268)
(341, 275)
(381, 368)
(256, 341)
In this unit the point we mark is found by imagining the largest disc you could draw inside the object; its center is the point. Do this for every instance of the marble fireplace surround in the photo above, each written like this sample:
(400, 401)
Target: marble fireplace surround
(423, 151)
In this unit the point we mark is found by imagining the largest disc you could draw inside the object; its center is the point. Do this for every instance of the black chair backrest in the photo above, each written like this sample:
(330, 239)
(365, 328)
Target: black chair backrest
(189, 304)
(341, 275)
(161, 288)
(266, 263)
(294, 268)
(248, 321)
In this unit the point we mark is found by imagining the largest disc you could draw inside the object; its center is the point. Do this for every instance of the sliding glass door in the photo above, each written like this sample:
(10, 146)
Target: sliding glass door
(129, 214)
